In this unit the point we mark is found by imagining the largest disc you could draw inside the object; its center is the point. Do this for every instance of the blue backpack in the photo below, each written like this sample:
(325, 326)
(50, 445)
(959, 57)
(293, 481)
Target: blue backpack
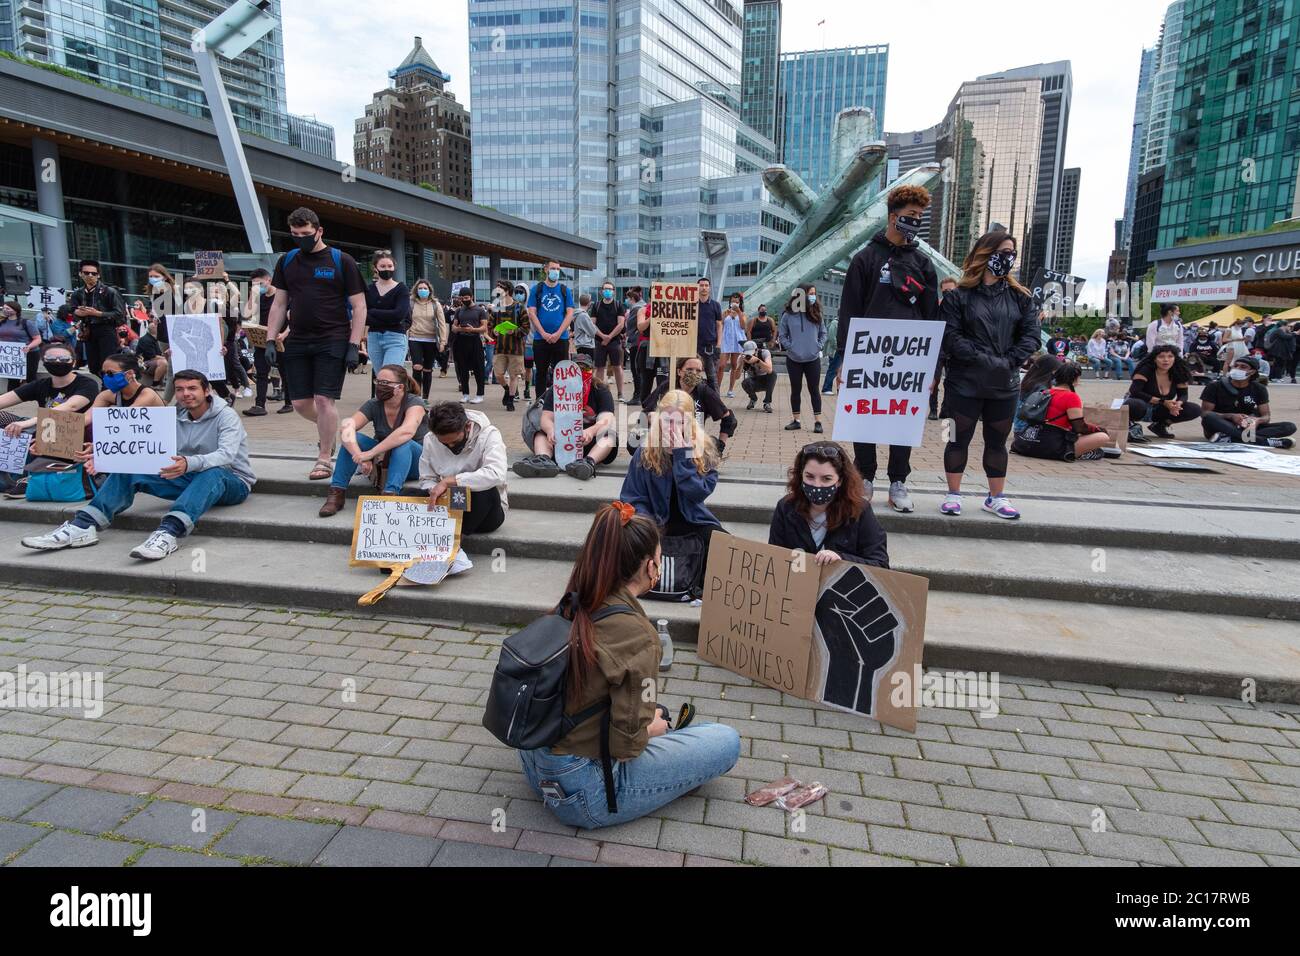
(338, 272)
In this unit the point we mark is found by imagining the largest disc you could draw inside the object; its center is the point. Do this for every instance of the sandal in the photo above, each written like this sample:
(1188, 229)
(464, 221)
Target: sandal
(324, 468)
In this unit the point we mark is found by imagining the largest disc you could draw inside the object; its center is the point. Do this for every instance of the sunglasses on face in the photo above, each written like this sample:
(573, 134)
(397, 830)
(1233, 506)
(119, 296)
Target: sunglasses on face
(87, 273)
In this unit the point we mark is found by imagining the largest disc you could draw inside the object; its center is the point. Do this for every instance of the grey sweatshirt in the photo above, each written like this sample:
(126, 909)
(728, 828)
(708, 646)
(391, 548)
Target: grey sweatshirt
(216, 440)
(801, 337)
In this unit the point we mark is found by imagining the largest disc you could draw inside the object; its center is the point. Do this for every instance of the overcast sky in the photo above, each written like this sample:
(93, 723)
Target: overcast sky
(338, 54)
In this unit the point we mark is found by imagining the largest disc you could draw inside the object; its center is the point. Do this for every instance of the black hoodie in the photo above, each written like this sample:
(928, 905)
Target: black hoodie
(886, 281)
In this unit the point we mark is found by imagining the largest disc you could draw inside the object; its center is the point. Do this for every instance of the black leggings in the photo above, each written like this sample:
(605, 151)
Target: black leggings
(1138, 410)
(467, 351)
(799, 372)
(262, 366)
(485, 513)
(423, 357)
(996, 413)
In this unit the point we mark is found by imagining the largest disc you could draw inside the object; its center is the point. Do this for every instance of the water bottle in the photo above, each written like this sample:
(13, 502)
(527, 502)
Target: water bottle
(665, 646)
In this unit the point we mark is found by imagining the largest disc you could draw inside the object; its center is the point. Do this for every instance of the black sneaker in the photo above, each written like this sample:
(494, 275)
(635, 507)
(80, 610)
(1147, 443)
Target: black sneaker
(752, 403)
(17, 490)
(253, 411)
(817, 427)
(794, 426)
(767, 407)
(510, 402)
(584, 469)
(1160, 430)
(536, 466)
(284, 409)
(1280, 443)
(1094, 455)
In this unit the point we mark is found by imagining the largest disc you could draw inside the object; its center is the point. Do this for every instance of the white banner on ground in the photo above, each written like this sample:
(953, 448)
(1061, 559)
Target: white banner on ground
(1247, 456)
(196, 344)
(133, 440)
(568, 413)
(888, 369)
(401, 530)
(13, 360)
(13, 452)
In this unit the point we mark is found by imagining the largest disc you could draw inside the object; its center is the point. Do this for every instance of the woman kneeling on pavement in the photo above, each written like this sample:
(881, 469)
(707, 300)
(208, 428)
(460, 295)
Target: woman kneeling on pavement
(1158, 394)
(673, 473)
(463, 449)
(398, 414)
(1063, 435)
(825, 511)
(615, 658)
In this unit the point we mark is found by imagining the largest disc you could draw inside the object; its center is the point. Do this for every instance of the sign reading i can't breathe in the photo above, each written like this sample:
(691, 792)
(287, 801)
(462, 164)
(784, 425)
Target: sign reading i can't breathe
(674, 317)
(888, 370)
(133, 440)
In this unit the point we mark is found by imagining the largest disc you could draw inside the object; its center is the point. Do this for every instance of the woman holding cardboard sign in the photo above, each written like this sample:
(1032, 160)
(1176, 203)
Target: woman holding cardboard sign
(826, 512)
(992, 327)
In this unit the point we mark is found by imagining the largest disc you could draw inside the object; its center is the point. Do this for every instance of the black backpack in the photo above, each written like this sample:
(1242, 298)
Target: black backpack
(525, 705)
(1033, 407)
(681, 574)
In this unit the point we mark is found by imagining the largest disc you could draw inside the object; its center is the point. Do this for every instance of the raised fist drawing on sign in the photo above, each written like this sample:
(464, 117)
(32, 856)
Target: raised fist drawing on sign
(195, 339)
(861, 634)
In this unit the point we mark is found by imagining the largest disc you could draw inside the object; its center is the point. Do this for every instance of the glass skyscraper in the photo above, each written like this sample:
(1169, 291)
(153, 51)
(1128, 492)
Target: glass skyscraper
(817, 84)
(762, 59)
(142, 47)
(1163, 84)
(620, 120)
(1137, 145)
(1234, 130)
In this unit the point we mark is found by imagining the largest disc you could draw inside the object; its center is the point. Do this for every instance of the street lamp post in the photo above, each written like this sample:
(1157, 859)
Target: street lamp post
(229, 35)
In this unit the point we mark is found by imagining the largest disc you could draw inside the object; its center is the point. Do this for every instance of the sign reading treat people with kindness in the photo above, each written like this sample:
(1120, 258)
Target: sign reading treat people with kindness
(843, 634)
(674, 318)
(133, 440)
(888, 370)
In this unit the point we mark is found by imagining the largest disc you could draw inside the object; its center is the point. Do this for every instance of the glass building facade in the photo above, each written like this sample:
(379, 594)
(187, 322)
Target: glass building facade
(619, 120)
(1234, 130)
(815, 86)
(761, 49)
(142, 47)
(1137, 145)
(1163, 83)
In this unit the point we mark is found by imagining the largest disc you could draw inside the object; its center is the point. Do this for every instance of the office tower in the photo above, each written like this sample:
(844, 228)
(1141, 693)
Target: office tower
(310, 134)
(1163, 84)
(1138, 143)
(1234, 132)
(815, 85)
(761, 58)
(1146, 221)
(1067, 211)
(909, 150)
(144, 49)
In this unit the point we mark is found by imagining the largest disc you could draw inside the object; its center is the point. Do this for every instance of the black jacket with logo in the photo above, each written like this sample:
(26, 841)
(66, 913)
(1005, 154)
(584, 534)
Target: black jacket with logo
(907, 289)
(862, 541)
(101, 297)
(991, 330)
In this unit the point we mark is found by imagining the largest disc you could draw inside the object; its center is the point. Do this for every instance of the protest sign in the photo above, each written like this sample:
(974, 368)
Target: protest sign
(389, 531)
(567, 382)
(1113, 421)
(59, 433)
(888, 369)
(196, 344)
(44, 298)
(13, 360)
(845, 634)
(256, 336)
(209, 264)
(674, 319)
(133, 440)
(1056, 292)
(13, 452)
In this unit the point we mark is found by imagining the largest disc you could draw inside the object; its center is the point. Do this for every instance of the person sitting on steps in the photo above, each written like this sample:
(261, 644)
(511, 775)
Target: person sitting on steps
(826, 513)
(463, 449)
(599, 435)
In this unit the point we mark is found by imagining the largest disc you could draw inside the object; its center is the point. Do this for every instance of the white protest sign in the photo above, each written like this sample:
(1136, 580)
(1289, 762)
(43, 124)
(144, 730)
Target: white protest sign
(13, 360)
(568, 413)
(196, 344)
(42, 298)
(888, 369)
(13, 452)
(133, 440)
(400, 530)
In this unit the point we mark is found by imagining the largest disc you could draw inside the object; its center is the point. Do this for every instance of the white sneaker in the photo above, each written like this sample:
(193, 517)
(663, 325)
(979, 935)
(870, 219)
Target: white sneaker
(731, 394)
(66, 535)
(464, 399)
(246, 393)
(156, 547)
(476, 400)
(899, 499)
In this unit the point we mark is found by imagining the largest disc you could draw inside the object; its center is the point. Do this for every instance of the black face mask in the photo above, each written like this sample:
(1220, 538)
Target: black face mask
(386, 273)
(59, 369)
(1000, 263)
(459, 447)
(908, 226)
(305, 243)
(820, 494)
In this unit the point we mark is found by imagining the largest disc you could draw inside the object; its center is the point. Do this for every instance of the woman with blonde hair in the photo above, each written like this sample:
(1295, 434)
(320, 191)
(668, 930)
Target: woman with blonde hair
(674, 471)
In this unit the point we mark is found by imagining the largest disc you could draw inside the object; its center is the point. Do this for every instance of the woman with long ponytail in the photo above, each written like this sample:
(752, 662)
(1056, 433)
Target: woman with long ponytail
(617, 657)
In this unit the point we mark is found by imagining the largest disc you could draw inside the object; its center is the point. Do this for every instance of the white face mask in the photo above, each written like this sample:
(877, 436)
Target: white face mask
(1238, 375)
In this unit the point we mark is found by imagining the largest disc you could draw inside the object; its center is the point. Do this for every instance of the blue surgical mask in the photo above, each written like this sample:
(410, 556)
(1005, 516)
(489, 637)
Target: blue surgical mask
(422, 293)
(520, 298)
(553, 275)
(156, 281)
(607, 294)
(812, 300)
(115, 381)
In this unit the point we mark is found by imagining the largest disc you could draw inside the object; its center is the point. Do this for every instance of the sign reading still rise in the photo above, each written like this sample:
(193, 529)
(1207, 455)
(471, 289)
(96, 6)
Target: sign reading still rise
(674, 317)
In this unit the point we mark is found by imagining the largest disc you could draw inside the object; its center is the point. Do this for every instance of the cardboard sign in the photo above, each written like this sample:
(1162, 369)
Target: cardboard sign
(1113, 421)
(567, 382)
(256, 336)
(13, 452)
(13, 360)
(133, 440)
(846, 635)
(196, 344)
(209, 264)
(674, 319)
(888, 370)
(398, 531)
(59, 433)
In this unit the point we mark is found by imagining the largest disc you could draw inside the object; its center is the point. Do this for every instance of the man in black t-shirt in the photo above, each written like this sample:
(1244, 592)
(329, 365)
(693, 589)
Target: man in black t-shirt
(151, 355)
(1235, 409)
(320, 284)
(599, 436)
(610, 320)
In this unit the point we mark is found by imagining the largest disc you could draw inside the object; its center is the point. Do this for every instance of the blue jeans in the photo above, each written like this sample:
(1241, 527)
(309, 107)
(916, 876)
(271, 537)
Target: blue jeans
(403, 465)
(489, 352)
(672, 764)
(832, 366)
(386, 348)
(1126, 365)
(194, 493)
(1101, 365)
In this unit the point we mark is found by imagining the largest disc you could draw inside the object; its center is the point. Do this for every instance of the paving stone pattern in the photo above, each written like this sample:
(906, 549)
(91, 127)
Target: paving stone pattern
(227, 738)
